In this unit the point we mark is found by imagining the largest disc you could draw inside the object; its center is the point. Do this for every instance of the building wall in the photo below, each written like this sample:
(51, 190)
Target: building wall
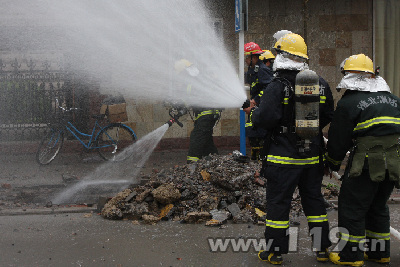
(333, 30)
(145, 117)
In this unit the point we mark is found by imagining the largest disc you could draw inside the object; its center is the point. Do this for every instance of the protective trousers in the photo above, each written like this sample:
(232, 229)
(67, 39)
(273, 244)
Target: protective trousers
(201, 138)
(363, 213)
(256, 144)
(281, 183)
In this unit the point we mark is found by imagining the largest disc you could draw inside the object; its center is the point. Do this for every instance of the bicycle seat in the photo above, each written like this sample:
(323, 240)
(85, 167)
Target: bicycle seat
(99, 117)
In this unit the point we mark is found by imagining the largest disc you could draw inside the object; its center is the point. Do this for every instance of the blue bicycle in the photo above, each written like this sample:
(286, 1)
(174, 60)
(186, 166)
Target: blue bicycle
(109, 140)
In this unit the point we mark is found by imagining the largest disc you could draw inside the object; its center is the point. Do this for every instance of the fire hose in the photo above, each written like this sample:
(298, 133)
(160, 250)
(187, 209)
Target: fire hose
(393, 231)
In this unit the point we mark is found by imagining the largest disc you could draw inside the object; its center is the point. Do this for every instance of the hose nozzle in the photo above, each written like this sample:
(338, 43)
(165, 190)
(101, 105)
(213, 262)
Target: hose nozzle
(174, 120)
(175, 113)
(246, 104)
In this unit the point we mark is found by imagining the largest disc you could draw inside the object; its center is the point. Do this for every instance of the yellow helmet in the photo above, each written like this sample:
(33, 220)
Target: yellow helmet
(359, 62)
(266, 55)
(182, 64)
(292, 43)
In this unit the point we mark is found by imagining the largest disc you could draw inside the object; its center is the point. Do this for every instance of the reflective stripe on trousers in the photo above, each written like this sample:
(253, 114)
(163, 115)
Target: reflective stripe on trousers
(352, 238)
(192, 158)
(292, 161)
(314, 219)
(382, 236)
(277, 224)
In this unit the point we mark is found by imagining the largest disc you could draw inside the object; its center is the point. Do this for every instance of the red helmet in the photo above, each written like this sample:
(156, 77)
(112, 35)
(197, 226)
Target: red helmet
(252, 48)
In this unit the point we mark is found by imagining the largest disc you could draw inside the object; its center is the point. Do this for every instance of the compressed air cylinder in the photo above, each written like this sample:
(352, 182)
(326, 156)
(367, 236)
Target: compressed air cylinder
(307, 104)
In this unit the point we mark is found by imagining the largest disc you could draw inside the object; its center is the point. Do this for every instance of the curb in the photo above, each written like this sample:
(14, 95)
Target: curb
(94, 209)
(48, 211)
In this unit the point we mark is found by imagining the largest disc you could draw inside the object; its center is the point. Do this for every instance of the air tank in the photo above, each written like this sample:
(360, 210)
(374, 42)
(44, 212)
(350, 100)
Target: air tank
(307, 104)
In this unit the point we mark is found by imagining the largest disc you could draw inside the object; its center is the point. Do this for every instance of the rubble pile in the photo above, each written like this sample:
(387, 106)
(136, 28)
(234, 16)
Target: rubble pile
(213, 190)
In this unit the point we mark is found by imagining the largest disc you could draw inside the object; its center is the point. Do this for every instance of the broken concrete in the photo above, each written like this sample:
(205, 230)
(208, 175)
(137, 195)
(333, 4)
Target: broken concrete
(166, 194)
(217, 188)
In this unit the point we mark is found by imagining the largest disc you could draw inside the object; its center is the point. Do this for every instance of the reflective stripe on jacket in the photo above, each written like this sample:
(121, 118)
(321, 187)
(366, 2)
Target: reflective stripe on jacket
(207, 112)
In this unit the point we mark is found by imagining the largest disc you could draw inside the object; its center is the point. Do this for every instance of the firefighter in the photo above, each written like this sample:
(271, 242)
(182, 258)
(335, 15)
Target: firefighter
(201, 137)
(257, 76)
(366, 122)
(268, 59)
(285, 167)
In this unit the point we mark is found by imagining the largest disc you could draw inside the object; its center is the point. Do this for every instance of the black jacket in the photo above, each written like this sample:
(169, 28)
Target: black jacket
(361, 114)
(269, 115)
(258, 78)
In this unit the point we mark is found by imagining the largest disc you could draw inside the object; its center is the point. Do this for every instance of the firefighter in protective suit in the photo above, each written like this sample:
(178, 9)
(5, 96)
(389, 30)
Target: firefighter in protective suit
(257, 76)
(268, 59)
(284, 166)
(201, 137)
(366, 123)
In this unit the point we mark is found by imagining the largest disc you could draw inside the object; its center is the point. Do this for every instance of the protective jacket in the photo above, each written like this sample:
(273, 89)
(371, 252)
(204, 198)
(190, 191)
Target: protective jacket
(257, 85)
(258, 77)
(270, 73)
(276, 114)
(262, 76)
(201, 138)
(250, 76)
(361, 114)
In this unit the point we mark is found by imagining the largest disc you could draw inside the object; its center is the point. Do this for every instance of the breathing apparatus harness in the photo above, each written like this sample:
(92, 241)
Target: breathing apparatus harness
(292, 124)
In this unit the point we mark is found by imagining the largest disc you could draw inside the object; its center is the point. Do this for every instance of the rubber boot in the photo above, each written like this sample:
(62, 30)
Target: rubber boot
(380, 260)
(335, 258)
(323, 256)
(270, 257)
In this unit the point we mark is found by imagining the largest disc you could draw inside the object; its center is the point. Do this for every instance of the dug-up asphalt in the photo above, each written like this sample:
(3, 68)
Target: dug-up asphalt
(41, 235)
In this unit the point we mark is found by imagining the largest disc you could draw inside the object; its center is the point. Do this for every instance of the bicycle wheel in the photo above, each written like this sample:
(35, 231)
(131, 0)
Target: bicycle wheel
(113, 139)
(50, 145)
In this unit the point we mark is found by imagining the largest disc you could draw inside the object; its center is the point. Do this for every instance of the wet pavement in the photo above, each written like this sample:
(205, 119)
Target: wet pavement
(86, 239)
(35, 233)
(26, 184)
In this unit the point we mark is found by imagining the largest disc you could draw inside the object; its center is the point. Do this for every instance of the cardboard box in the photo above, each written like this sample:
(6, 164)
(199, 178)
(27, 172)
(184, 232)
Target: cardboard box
(117, 108)
(103, 109)
(118, 117)
(115, 113)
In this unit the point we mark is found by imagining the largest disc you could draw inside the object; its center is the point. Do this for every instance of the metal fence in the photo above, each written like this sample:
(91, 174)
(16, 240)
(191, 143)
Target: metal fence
(27, 100)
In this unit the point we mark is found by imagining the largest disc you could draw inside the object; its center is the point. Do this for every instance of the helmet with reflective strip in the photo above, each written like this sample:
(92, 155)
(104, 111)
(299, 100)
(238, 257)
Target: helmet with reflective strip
(267, 55)
(359, 62)
(181, 64)
(292, 43)
(252, 48)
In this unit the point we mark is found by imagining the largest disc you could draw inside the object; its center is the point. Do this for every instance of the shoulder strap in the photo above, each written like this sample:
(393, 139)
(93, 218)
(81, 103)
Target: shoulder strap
(288, 102)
